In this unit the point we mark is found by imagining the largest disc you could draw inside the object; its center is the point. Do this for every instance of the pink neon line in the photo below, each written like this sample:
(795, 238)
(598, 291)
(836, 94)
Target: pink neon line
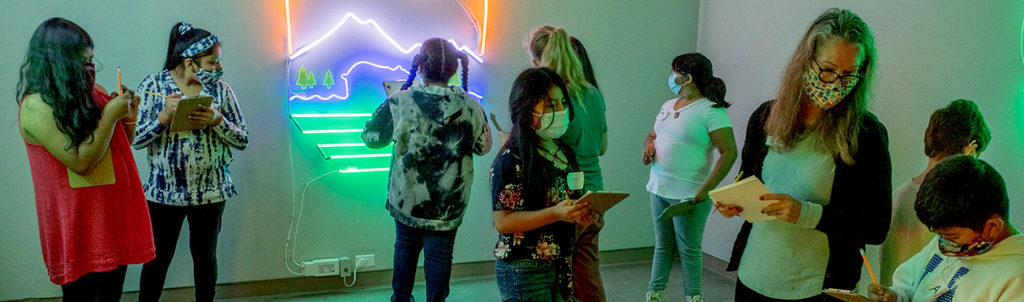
(373, 23)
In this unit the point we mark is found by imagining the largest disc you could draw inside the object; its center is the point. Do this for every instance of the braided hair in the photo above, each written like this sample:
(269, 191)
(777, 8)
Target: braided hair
(438, 61)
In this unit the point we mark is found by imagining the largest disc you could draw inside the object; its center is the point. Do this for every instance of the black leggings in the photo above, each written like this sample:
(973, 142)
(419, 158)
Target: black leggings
(203, 227)
(99, 286)
(745, 294)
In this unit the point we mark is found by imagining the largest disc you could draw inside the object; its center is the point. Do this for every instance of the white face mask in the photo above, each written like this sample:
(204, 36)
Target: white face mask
(553, 124)
(672, 83)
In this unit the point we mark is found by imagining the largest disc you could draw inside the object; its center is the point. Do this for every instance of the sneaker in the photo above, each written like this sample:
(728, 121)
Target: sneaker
(696, 298)
(653, 296)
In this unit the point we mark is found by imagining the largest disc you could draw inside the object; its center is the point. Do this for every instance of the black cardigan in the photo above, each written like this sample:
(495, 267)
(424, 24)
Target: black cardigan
(859, 208)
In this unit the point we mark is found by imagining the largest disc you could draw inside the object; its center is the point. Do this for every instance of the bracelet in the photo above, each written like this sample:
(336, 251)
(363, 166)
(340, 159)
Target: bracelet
(130, 123)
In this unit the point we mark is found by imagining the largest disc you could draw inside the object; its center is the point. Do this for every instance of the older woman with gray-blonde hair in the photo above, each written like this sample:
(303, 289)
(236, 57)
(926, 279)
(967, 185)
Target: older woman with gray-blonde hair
(825, 159)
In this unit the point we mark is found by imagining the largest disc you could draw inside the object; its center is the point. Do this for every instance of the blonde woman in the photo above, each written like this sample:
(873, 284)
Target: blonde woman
(826, 160)
(587, 136)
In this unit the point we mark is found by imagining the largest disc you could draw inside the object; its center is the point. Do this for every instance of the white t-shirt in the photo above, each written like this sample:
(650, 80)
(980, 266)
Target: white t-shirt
(683, 150)
(907, 234)
(785, 260)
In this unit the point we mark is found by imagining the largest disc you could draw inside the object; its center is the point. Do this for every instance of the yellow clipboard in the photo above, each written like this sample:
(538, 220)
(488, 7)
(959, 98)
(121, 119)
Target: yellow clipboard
(102, 174)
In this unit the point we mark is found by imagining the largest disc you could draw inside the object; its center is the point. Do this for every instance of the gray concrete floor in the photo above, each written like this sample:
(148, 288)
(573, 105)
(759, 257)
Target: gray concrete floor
(623, 282)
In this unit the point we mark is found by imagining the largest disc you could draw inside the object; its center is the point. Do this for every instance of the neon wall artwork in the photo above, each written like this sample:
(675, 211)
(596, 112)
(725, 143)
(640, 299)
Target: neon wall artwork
(339, 56)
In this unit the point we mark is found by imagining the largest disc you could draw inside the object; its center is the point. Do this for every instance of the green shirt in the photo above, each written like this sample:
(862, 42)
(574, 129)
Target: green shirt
(585, 134)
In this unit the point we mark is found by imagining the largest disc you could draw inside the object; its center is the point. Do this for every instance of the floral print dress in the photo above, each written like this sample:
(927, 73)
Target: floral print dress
(552, 242)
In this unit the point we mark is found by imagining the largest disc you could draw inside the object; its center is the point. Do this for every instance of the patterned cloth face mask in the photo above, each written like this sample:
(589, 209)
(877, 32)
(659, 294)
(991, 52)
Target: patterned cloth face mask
(209, 77)
(952, 249)
(825, 95)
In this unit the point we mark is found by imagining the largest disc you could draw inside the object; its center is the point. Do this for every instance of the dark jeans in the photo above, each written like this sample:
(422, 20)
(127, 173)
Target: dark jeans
(203, 228)
(527, 280)
(437, 262)
(744, 293)
(99, 286)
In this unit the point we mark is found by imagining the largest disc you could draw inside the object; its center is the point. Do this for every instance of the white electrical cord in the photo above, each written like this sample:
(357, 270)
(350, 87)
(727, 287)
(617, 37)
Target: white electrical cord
(354, 271)
(290, 257)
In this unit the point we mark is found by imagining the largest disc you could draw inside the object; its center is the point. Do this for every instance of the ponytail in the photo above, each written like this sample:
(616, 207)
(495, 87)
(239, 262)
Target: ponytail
(699, 68)
(552, 47)
(715, 91)
(184, 35)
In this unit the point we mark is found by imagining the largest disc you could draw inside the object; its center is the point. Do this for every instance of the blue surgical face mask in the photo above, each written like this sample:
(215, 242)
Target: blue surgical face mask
(672, 83)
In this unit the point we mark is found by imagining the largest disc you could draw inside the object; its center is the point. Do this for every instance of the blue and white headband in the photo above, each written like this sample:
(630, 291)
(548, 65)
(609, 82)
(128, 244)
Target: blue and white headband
(198, 47)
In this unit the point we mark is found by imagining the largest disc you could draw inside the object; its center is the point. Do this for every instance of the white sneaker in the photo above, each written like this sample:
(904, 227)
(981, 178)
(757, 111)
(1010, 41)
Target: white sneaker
(654, 296)
(696, 298)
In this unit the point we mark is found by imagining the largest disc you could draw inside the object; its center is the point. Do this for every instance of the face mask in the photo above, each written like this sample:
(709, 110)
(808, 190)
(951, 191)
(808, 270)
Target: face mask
(825, 95)
(553, 124)
(672, 83)
(209, 77)
(953, 249)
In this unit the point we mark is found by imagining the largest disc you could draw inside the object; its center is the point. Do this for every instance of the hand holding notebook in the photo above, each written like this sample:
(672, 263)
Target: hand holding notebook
(746, 194)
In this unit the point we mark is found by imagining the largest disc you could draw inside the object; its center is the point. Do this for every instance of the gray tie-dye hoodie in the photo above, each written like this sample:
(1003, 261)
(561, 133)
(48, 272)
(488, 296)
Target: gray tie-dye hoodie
(436, 131)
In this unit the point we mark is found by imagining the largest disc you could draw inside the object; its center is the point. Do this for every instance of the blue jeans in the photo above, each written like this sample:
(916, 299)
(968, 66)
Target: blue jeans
(437, 261)
(683, 234)
(527, 280)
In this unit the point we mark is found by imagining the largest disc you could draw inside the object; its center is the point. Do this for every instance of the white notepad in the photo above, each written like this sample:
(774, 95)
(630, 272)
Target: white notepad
(747, 194)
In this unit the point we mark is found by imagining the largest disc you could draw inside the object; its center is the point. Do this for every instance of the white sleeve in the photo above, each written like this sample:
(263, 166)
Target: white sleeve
(908, 275)
(717, 119)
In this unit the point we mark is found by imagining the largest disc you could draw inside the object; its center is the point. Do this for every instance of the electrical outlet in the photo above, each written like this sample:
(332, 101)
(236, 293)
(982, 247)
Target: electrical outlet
(320, 267)
(345, 267)
(365, 261)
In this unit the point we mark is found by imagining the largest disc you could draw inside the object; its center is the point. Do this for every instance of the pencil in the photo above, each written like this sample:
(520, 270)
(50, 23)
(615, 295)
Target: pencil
(118, 79)
(862, 256)
(156, 94)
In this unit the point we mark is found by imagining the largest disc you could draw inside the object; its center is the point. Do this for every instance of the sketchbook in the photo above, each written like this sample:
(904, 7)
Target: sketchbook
(747, 194)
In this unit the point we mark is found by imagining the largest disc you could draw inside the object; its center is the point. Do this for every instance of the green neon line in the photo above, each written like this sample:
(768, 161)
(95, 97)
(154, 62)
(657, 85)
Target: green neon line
(332, 131)
(361, 155)
(363, 170)
(332, 115)
(1022, 41)
(340, 145)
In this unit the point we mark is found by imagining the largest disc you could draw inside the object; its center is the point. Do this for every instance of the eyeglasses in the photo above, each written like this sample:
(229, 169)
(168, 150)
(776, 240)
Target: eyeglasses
(97, 65)
(831, 76)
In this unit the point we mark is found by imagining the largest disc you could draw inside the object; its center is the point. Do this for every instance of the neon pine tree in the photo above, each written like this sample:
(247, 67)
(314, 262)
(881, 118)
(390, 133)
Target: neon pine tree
(328, 79)
(303, 77)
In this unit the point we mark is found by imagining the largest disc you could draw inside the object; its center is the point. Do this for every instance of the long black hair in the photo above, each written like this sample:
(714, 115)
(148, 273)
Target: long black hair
(532, 87)
(179, 42)
(438, 60)
(699, 67)
(581, 52)
(57, 68)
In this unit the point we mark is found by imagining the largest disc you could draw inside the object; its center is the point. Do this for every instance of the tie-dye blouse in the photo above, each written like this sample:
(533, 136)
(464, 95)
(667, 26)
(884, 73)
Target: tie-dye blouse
(189, 167)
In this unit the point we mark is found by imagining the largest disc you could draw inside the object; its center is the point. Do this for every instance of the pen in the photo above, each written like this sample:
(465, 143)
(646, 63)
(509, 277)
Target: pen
(862, 256)
(119, 79)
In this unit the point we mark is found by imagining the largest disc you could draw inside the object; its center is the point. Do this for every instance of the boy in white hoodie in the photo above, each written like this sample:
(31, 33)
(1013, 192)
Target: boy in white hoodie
(978, 255)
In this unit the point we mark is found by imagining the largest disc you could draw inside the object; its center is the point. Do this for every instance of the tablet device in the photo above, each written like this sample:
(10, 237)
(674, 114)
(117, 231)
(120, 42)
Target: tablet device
(390, 87)
(180, 121)
(602, 201)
